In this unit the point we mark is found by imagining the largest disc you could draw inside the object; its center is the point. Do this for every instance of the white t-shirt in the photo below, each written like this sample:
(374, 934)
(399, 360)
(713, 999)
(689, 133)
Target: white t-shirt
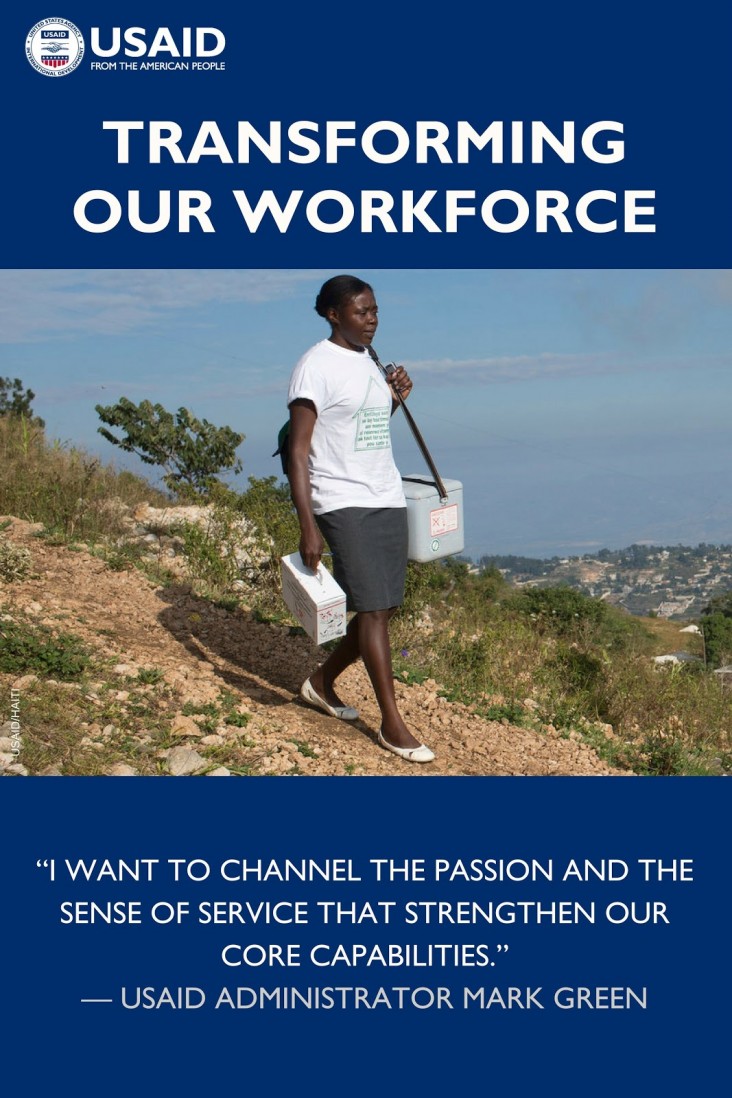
(351, 462)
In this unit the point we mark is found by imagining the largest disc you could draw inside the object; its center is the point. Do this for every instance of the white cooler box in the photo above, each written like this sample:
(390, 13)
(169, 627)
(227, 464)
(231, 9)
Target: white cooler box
(435, 528)
(315, 599)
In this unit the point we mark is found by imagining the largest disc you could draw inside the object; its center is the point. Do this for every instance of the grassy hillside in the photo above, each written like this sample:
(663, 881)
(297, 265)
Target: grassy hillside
(550, 660)
(557, 660)
(69, 490)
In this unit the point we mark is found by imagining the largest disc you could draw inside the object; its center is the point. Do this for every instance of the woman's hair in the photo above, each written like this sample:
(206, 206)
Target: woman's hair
(337, 291)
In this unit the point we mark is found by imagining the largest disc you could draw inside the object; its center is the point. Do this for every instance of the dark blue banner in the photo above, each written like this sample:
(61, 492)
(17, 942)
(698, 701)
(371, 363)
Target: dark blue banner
(362, 934)
(192, 136)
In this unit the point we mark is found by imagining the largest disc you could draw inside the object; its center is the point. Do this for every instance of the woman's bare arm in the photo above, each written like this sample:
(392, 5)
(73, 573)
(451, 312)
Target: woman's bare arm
(302, 421)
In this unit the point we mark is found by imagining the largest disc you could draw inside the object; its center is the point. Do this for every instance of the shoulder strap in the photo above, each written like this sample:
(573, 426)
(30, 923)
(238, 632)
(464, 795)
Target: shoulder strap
(415, 429)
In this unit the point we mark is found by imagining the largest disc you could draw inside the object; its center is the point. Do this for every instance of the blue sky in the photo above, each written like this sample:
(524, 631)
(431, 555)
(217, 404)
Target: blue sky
(579, 408)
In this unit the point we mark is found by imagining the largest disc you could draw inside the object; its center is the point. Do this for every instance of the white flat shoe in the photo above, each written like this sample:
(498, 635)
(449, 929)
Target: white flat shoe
(421, 754)
(342, 712)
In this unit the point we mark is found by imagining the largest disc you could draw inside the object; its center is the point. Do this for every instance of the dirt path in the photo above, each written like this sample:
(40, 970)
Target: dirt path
(198, 651)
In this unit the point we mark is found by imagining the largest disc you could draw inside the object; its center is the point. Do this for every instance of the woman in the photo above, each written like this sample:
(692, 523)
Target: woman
(347, 490)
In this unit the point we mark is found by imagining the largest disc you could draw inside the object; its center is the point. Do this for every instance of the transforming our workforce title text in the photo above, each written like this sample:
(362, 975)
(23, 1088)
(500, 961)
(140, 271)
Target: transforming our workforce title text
(348, 150)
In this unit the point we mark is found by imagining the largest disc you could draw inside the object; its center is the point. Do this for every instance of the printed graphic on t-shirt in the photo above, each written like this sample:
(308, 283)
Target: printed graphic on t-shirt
(372, 420)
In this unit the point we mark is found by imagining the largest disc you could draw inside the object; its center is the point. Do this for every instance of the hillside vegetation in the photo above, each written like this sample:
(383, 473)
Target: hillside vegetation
(478, 661)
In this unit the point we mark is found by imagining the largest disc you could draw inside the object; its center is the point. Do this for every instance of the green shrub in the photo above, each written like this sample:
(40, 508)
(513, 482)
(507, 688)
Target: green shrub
(27, 648)
(268, 506)
(212, 566)
(149, 676)
(716, 624)
(564, 612)
(424, 584)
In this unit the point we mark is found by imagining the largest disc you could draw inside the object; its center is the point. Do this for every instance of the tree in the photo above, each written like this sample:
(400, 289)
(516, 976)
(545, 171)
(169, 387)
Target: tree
(191, 451)
(716, 627)
(16, 401)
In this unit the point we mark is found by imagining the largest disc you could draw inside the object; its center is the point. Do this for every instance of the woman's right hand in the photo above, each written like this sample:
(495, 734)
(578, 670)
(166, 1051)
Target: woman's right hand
(311, 547)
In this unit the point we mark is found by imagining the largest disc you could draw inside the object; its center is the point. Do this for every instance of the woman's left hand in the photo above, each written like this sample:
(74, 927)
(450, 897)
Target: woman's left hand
(400, 382)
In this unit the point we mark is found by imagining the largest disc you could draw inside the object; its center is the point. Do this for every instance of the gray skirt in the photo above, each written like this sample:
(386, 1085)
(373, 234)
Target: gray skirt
(369, 547)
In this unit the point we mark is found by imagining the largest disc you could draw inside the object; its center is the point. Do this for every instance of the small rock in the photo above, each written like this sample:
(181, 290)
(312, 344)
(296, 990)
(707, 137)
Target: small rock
(184, 726)
(25, 680)
(122, 770)
(219, 772)
(184, 760)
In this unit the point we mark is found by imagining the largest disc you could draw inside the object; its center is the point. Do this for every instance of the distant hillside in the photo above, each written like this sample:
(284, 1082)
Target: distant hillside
(672, 581)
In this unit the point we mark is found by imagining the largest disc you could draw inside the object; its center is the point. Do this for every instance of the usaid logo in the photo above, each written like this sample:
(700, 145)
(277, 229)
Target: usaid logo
(199, 42)
(54, 47)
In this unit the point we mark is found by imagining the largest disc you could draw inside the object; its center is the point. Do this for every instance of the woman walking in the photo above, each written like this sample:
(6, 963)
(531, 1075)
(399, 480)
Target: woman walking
(348, 492)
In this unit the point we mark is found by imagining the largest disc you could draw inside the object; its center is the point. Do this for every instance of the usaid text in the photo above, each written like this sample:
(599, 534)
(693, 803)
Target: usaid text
(139, 42)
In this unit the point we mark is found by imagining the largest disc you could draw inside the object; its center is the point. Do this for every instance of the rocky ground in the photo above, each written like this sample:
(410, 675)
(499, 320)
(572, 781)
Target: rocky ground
(180, 686)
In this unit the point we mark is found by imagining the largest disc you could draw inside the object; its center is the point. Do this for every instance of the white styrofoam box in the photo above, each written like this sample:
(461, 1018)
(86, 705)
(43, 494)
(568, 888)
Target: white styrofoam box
(315, 599)
(435, 528)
